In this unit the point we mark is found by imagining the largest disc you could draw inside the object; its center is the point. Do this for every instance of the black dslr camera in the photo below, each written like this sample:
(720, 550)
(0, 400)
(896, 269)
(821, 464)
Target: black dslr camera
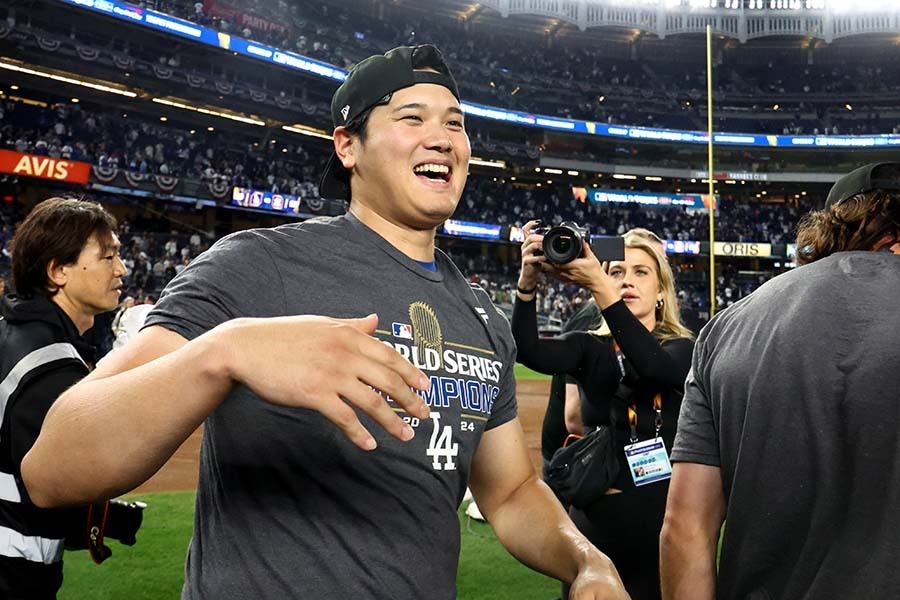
(563, 243)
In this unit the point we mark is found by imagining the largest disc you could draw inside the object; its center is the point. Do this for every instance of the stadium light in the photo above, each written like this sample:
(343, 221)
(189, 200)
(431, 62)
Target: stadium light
(303, 130)
(206, 111)
(481, 162)
(9, 66)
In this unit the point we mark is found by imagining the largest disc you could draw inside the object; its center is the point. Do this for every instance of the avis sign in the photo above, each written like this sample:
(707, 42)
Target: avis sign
(743, 249)
(44, 167)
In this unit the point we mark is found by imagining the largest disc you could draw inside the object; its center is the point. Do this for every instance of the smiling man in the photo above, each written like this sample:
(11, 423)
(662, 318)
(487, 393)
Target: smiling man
(66, 270)
(337, 447)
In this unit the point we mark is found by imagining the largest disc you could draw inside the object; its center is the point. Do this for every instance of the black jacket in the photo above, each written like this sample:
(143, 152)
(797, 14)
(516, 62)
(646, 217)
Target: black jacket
(41, 355)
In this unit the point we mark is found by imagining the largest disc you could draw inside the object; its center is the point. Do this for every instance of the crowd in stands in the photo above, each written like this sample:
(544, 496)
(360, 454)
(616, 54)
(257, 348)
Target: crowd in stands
(575, 80)
(140, 145)
(558, 301)
(155, 249)
(9, 215)
(133, 143)
(489, 201)
(571, 79)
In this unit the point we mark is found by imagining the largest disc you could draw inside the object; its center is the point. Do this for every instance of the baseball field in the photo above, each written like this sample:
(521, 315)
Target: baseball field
(153, 568)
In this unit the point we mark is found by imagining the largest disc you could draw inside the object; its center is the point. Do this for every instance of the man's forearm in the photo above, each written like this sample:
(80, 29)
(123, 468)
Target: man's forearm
(687, 563)
(105, 436)
(532, 525)
(695, 510)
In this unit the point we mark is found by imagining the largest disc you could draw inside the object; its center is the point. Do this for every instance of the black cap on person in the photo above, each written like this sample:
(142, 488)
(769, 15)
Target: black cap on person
(371, 82)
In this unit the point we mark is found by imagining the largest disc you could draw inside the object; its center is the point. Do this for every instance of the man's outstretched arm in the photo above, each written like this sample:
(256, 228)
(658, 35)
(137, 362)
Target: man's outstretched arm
(114, 429)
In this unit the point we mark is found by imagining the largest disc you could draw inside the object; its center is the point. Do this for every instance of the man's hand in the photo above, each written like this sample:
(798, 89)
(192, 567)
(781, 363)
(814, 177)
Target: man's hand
(327, 365)
(598, 581)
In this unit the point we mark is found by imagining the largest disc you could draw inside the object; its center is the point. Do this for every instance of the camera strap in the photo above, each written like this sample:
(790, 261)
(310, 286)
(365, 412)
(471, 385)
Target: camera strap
(648, 461)
(632, 407)
(96, 531)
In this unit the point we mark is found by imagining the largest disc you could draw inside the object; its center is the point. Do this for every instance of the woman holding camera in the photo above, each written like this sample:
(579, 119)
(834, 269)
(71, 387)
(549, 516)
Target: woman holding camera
(632, 371)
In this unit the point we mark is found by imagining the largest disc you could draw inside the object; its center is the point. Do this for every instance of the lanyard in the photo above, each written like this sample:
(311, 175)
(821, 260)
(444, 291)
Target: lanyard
(632, 409)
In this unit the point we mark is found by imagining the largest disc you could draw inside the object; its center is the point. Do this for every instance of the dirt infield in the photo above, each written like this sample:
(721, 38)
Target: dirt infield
(180, 473)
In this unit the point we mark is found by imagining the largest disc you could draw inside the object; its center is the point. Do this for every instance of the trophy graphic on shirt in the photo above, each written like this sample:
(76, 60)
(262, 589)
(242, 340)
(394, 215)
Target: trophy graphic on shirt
(426, 329)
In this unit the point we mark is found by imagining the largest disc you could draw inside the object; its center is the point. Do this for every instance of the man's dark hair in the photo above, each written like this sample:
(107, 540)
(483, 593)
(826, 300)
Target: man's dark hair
(856, 223)
(359, 126)
(55, 230)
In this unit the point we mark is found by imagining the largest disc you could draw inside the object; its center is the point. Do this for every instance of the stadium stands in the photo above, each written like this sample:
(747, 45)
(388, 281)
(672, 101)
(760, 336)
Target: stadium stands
(612, 78)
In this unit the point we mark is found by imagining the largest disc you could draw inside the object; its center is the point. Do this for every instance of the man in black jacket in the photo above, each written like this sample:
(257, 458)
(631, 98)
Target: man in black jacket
(66, 269)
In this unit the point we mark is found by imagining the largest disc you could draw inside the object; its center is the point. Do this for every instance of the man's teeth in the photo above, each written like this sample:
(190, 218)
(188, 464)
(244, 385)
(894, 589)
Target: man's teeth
(441, 169)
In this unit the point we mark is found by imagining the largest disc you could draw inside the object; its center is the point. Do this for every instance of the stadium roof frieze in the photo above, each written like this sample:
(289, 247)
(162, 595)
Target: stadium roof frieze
(730, 18)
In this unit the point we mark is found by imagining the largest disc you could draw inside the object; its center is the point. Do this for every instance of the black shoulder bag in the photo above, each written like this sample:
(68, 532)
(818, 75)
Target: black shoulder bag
(582, 471)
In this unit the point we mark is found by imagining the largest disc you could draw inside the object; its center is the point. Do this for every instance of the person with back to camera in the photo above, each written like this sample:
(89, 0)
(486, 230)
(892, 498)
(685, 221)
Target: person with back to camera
(635, 364)
(789, 426)
(323, 474)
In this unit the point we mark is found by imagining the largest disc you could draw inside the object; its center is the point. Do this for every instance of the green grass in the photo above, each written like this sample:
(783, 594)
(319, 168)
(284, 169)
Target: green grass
(523, 372)
(153, 569)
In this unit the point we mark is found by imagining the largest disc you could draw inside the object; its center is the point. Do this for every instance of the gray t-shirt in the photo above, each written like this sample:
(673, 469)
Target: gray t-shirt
(795, 393)
(286, 506)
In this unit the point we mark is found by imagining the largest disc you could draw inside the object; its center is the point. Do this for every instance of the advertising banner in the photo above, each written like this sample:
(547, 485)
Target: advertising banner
(44, 167)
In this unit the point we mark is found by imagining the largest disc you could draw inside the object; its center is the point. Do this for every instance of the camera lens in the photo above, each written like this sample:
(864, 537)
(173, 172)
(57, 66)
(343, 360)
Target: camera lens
(562, 245)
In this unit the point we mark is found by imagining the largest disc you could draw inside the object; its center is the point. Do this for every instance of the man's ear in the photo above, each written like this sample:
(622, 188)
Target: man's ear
(344, 147)
(57, 276)
(888, 243)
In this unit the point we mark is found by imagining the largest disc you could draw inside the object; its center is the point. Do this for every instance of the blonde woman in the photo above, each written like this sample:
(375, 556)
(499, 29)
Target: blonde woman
(636, 362)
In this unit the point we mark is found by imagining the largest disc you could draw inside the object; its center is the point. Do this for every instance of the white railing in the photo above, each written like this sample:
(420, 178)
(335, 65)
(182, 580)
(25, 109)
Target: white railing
(741, 24)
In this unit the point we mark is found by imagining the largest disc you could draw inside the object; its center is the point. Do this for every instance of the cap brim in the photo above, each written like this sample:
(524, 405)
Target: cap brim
(864, 179)
(334, 184)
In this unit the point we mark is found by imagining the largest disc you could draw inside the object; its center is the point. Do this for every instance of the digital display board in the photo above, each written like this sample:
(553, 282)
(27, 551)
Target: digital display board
(258, 199)
(682, 247)
(699, 201)
(484, 231)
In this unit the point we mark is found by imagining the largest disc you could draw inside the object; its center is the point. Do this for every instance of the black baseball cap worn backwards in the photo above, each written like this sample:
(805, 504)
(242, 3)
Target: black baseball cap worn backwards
(874, 176)
(371, 82)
